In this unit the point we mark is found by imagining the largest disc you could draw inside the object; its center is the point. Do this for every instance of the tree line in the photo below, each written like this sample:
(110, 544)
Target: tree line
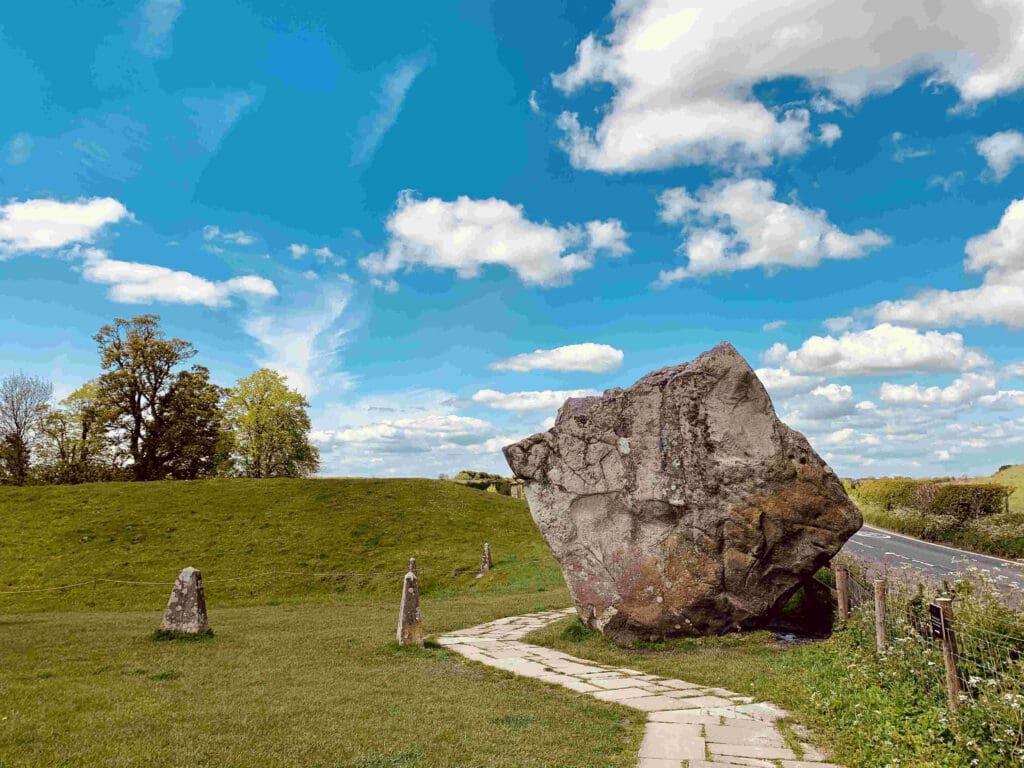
(149, 417)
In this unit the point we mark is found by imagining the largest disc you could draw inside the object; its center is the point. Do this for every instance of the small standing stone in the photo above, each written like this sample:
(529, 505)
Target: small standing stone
(485, 561)
(410, 623)
(186, 608)
(412, 565)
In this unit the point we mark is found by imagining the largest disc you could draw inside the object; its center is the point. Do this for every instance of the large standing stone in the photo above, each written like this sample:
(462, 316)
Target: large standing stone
(410, 623)
(682, 505)
(186, 609)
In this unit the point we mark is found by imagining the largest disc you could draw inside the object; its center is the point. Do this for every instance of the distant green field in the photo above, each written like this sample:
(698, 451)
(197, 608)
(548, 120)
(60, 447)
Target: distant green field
(1014, 477)
(54, 535)
(1000, 535)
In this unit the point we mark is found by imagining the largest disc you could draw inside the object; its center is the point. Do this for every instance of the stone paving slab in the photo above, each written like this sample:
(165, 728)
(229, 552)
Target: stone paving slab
(686, 723)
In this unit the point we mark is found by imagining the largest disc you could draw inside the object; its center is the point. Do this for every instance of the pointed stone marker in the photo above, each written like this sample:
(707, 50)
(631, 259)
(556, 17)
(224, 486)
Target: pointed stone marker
(410, 623)
(186, 609)
(485, 561)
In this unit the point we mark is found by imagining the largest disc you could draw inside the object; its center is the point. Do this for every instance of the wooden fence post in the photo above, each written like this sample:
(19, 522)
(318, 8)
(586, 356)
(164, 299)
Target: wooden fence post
(881, 638)
(843, 591)
(949, 653)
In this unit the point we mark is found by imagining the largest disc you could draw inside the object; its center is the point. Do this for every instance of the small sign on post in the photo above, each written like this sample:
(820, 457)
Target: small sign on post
(935, 621)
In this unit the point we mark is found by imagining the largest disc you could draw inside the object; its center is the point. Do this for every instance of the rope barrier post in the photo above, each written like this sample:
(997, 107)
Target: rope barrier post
(410, 622)
(949, 653)
(843, 591)
(881, 639)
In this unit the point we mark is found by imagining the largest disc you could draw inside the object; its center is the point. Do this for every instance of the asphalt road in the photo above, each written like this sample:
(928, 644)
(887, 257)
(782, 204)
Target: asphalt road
(895, 550)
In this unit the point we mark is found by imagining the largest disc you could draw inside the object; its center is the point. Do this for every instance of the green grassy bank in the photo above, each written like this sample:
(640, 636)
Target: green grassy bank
(53, 535)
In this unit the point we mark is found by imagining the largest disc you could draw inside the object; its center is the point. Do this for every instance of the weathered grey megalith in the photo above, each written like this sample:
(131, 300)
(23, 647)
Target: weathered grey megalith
(682, 505)
(410, 623)
(186, 609)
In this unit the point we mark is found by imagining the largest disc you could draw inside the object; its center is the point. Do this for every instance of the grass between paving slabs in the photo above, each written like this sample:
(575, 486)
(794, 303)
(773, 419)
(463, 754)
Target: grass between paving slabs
(867, 713)
(302, 685)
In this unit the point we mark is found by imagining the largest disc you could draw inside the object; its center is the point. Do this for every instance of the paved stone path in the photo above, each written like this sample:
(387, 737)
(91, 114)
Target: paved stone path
(687, 725)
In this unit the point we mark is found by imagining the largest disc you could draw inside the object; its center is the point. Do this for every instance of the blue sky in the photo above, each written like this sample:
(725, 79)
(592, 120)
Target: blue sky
(439, 220)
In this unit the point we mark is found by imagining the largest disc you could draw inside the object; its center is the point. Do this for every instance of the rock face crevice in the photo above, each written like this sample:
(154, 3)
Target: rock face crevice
(682, 505)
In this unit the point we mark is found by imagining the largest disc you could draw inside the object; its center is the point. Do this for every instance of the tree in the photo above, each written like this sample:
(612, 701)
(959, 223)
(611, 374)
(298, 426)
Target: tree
(23, 401)
(190, 440)
(269, 428)
(75, 441)
(139, 372)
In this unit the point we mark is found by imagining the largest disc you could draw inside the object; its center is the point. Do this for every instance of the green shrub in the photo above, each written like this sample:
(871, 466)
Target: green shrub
(965, 501)
(887, 492)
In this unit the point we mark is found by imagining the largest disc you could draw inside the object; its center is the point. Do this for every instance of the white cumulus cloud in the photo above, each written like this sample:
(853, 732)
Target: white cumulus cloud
(829, 133)
(882, 349)
(44, 224)
(465, 234)
(1002, 151)
(999, 256)
(738, 224)
(964, 389)
(545, 400)
(782, 381)
(590, 357)
(683, 76)
(135, 283)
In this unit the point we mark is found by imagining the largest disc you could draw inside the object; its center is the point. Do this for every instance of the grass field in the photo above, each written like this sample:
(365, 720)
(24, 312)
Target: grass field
(301, 671)
(51, 535)
(302, 685)
(304, 671)
(1000, 535)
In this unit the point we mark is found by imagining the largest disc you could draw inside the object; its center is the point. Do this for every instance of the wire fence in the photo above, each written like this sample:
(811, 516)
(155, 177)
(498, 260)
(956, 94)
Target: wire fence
(917, 627)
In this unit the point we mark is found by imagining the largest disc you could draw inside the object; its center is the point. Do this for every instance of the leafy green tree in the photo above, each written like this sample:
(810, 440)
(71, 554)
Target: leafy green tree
(269, 428)
(190, 441)
(169, 420)
(14, 459)
(23, 404)
(76, 445)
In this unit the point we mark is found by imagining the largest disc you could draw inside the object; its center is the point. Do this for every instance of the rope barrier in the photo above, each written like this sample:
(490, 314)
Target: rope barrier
(261, 575)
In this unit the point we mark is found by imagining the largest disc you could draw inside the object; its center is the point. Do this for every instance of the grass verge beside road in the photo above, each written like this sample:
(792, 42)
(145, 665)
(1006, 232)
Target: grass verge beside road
(997, 535)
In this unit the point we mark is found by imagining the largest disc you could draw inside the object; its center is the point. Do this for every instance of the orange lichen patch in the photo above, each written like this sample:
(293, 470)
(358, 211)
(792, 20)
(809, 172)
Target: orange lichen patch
(809, 500)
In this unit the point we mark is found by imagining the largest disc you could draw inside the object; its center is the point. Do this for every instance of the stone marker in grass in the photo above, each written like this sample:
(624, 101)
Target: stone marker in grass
(410, 623)
(186, 609)
(485, 561)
